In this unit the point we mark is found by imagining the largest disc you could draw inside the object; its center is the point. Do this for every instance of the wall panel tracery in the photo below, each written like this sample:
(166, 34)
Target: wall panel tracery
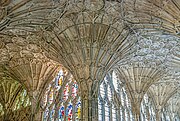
(113, 102)
(62, 100)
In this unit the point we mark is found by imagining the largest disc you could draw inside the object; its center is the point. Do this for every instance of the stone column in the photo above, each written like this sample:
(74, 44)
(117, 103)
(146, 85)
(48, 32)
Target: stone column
(36, 111)
(158, 115)
(136, 112)
(7, 113)
(89, 103)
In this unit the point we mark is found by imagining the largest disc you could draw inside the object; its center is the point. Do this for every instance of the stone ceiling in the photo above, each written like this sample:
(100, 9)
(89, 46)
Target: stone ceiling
(145, 32)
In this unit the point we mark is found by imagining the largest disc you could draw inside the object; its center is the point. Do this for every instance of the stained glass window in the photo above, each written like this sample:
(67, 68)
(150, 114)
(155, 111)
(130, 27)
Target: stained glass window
(61, 100)
(22, 100)
(113, 102)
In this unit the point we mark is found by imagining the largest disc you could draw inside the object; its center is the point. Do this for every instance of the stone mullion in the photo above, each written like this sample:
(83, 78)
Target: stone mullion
(120, 114)
(73, 110)
(95, 108)
(116, 111)
(124, 107)
(163, 116)
(48, 108)
(148, 113)
(128, 115)
(110, 112)
(142, 115)
(118, 117)
(120, 107)
(56, 109)
(123, 114)
(103, 111)
(65, 108)
(101, 106)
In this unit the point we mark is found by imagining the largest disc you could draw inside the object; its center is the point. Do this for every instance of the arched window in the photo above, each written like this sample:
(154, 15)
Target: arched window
(147, 109)
(113, 102)
(61, 100)
(22, 100)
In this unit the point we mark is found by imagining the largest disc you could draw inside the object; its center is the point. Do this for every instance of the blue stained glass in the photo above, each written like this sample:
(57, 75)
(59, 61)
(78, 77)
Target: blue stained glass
(69, 112)
(65, 94)
(61, 112)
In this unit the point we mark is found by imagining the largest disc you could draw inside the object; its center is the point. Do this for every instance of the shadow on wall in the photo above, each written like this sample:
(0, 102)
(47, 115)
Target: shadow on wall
(22, 114)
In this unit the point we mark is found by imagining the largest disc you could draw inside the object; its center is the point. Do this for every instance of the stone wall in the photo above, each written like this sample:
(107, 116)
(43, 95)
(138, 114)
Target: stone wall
(22, 114)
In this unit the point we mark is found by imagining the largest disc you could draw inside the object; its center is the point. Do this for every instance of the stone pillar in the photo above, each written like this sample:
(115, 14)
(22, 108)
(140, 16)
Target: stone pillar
(36, 111)
(136, 112)
(36, 114)
(158, 115)
(7, 114)
(89, 101)
(89, 109)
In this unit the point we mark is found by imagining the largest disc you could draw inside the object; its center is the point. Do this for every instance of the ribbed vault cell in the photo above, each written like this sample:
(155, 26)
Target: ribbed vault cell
(4, 58)
(21, 114)
(160, 93)
(28, 65)
(138, 79)
(12, 96)
(159, 48)
(150, 14)
(147, 66)
(156, 49)
(22, 16)
(173, 106)
(88, 42)
(174, 59)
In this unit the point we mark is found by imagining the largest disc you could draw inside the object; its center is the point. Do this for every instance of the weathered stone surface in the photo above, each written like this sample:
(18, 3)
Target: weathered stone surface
(160, 14)
(160, 93)
(89, 38)
(27, 64)
(12, 96)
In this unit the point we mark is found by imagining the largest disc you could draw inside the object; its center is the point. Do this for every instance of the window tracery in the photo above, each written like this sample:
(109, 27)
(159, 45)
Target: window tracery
(147, 109)
(170, 111)
(22, 100)
(61, 100)
(113, 102)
